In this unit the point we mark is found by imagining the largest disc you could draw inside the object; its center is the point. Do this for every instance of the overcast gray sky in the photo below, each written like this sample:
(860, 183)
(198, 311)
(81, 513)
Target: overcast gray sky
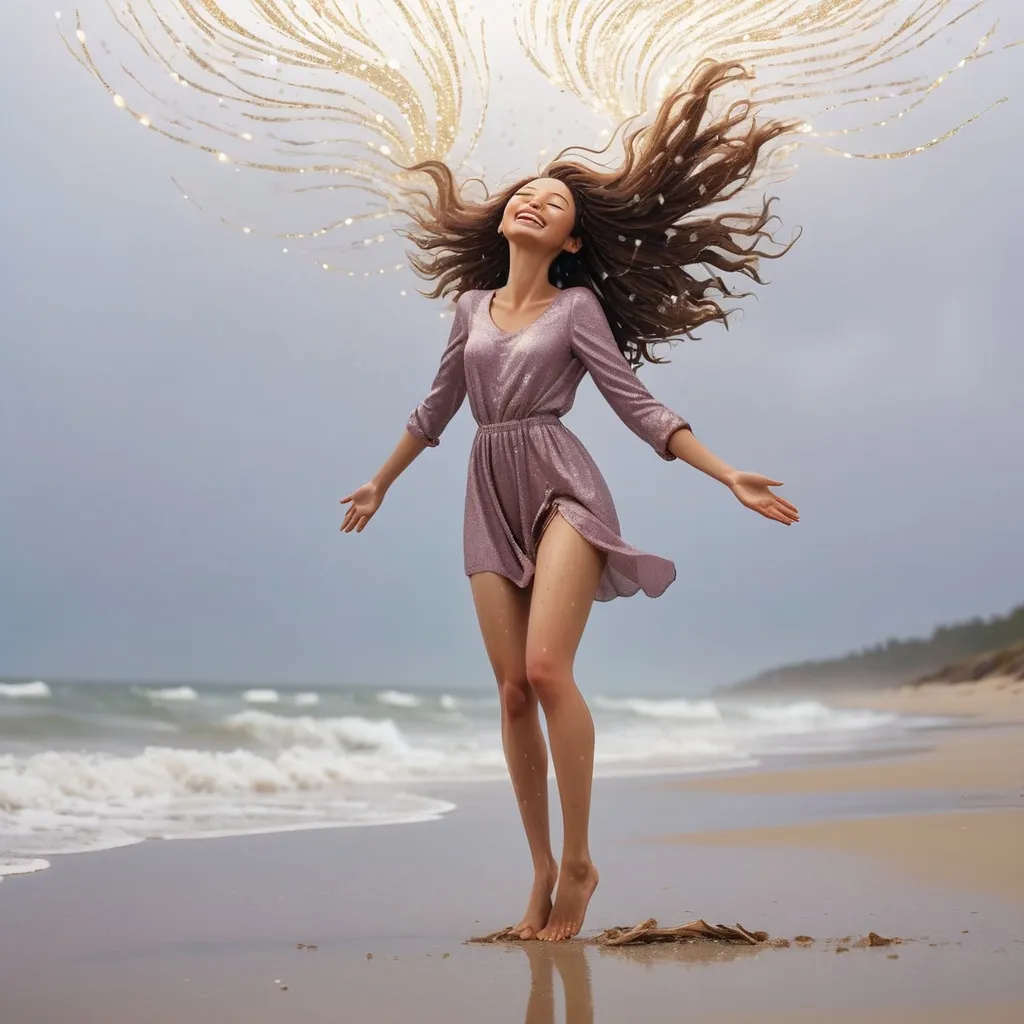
(181, 409)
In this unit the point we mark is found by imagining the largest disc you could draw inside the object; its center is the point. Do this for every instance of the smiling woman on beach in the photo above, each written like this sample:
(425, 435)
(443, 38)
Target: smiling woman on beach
(578, 271)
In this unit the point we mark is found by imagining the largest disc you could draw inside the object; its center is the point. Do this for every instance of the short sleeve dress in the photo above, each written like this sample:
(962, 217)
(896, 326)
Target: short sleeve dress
(525, 464)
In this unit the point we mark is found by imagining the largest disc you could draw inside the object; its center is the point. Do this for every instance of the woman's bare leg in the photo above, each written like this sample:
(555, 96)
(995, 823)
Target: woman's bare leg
(503, 611)
(567, 575)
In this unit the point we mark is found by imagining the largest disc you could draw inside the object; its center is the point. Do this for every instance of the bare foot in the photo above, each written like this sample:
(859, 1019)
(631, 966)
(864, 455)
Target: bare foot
(576, 884)
(538, 910)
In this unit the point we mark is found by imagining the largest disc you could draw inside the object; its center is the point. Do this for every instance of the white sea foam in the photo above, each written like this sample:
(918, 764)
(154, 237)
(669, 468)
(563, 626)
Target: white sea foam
(349, 733)
(63, 801)
(448, 703)
(696, 710)
(261, 696)
(812, 716)
(173, 693)
(34, 690)
(306, 700)
(21, 866)
(397, 699)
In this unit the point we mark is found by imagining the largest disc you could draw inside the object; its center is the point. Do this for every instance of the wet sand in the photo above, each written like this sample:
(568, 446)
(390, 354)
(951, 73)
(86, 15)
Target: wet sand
(209, 931)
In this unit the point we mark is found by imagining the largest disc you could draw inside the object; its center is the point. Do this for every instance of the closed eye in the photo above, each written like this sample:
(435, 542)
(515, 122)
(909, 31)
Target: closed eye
(551, 202)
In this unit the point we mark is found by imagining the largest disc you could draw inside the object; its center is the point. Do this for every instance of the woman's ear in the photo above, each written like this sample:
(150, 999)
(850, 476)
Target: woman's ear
(573, 245)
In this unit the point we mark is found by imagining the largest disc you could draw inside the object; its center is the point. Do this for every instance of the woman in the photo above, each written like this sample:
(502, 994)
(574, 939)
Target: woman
(573, 272)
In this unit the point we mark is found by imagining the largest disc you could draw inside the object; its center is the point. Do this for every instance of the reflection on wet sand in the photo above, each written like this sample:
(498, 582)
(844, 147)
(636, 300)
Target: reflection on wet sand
(569, 959)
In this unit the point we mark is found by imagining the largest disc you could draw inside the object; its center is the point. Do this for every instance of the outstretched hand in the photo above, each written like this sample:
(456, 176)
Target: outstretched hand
(753, 490)
(362, 503)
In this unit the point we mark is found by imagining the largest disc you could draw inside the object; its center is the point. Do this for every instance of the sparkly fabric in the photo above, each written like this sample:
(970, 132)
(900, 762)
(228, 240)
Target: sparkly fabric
(524, 463)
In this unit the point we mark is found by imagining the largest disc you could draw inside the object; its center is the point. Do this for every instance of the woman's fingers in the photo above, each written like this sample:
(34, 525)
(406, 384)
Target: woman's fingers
(787, 514)
(355, 519)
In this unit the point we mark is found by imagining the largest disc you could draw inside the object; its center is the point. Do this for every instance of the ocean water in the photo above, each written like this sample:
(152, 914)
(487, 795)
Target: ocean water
(90, 766)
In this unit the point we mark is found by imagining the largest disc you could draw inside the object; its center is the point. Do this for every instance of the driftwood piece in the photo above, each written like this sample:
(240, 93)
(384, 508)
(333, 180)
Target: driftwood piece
(696, 931)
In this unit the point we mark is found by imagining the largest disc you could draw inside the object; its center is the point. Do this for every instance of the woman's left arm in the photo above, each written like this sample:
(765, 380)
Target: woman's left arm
(751, 489)
(665, 431)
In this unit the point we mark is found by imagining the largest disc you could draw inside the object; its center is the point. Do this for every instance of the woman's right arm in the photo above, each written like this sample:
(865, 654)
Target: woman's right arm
(423, 429)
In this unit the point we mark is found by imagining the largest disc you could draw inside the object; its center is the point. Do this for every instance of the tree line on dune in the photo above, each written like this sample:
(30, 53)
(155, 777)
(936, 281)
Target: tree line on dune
(953, 653)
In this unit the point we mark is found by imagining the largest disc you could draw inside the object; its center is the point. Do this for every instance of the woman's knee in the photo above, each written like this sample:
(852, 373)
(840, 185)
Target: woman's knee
(516, 695)
(546, 676)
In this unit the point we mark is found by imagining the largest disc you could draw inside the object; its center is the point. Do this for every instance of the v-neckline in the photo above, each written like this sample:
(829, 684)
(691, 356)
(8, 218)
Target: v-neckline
(519, 330)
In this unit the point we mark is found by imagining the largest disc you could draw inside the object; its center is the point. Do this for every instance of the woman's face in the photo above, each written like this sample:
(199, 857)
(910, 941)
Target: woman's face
(541, 216)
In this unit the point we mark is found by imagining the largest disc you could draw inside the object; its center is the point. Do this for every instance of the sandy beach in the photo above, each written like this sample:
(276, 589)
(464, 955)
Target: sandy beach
(922, 846)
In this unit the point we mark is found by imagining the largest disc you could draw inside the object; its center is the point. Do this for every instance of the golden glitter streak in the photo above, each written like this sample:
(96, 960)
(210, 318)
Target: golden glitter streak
(327, 95)
(816, 61)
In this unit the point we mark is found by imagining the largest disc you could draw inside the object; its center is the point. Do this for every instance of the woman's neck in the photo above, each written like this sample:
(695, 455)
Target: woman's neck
(527, 278)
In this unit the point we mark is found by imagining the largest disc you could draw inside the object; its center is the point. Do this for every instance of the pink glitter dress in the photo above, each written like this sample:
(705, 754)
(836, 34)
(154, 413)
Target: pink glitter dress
(525, 464)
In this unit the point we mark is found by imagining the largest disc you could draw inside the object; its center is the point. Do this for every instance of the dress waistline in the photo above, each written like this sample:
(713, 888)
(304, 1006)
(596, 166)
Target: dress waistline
(528, 421)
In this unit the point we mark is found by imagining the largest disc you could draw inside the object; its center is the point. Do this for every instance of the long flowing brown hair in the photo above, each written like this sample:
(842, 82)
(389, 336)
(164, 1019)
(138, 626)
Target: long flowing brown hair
(653, 252)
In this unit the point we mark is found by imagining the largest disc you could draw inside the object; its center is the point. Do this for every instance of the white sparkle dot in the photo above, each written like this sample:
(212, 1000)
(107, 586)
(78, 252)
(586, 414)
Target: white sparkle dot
(56, 14)
(246, 231)
(284, 250)
(402, 292)
(145, 121)
(348, 220)
(80, 36)
(385, 150)
(325, 266)
(247, 136)
(222, 158)
(119, 102)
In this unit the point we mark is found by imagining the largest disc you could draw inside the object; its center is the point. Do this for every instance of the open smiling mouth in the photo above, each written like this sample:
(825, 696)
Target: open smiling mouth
(530, 218)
